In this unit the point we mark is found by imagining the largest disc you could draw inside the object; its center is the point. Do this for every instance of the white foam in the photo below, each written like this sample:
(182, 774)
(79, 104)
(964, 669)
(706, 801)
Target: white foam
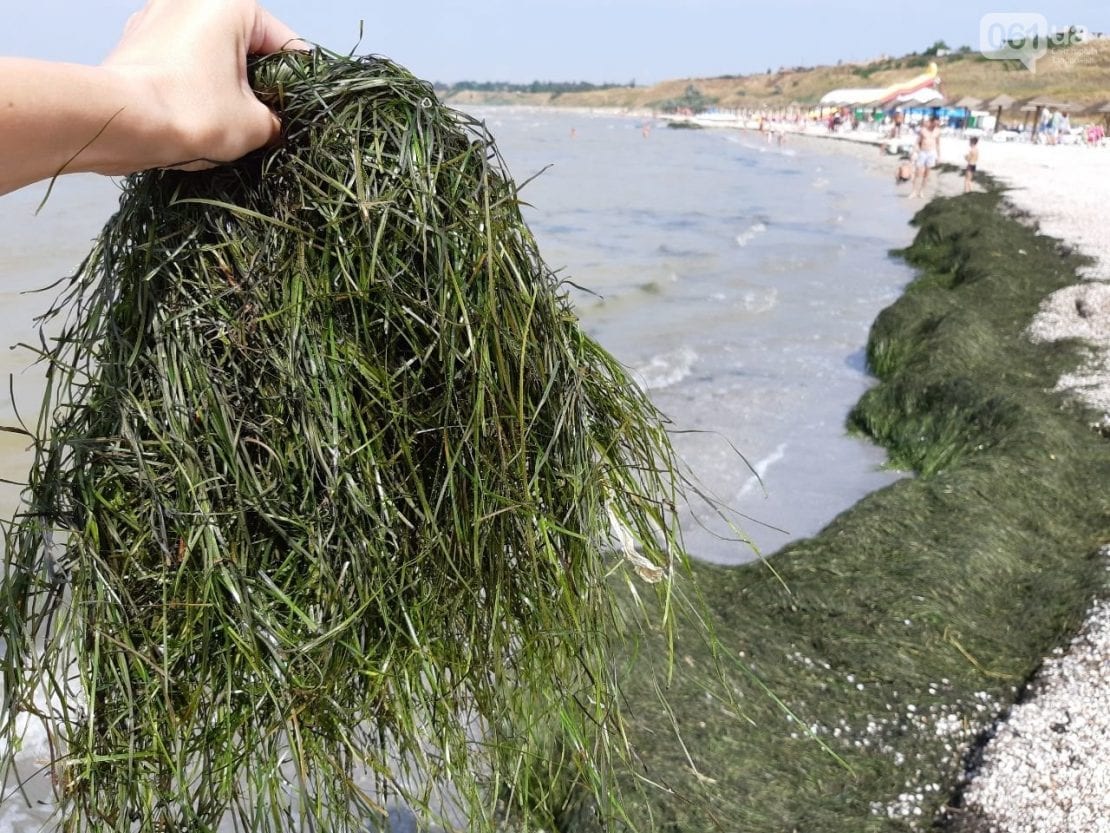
(760, 300)
(34, 753)
(750, 233)
(761, 468)
(666, 369)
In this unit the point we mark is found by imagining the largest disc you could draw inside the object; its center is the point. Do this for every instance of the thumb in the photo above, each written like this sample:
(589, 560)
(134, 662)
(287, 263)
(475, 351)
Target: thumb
(271, 35)
(262, 126)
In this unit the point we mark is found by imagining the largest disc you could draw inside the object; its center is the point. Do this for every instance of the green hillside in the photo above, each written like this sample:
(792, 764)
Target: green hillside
(1079, 73)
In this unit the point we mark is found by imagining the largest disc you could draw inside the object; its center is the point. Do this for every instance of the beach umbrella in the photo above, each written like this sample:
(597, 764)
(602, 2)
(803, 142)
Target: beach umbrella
(968, 103)
(1000, 103)
(1033, 107)
(1044, 101)
(1041, 102)
(1105, 110)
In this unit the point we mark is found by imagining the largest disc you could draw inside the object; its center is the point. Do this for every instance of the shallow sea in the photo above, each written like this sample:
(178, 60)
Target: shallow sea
(737, 278)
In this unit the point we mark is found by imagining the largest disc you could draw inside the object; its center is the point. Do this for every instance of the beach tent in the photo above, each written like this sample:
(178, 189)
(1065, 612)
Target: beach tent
(918, 98)
(910, 101)
(849, 97)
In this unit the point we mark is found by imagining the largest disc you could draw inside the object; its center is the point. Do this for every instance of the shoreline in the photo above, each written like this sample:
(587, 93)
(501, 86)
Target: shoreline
(1046, 764)
(903, 635)
(993, 787)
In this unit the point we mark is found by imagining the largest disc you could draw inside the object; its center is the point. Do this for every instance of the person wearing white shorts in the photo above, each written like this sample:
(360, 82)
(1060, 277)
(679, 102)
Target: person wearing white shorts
(928, 151)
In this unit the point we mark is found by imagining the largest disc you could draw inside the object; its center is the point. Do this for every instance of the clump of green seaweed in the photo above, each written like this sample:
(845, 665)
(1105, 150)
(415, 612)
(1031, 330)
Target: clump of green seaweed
(330, 492)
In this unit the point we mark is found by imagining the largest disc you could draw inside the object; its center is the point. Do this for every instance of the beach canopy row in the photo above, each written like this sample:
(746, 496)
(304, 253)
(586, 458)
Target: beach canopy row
(930, 97)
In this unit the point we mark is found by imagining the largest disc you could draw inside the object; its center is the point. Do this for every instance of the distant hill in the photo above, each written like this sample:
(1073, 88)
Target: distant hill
(1078, 73)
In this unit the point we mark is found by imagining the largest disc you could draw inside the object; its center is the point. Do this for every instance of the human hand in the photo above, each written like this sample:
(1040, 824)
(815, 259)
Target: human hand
(186, 62)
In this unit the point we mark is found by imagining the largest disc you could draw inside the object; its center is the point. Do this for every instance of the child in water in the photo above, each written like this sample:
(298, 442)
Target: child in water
(972, 158)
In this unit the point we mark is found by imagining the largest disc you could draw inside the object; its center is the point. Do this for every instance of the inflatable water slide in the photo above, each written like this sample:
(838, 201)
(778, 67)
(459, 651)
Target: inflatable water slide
(920, 89)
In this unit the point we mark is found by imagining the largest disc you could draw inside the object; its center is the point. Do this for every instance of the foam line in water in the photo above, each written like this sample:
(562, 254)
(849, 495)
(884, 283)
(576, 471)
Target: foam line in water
(761, 468)
(665, 369)
(749, 234)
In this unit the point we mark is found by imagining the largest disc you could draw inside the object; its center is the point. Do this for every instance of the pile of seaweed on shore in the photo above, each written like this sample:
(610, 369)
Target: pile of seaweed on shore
(900, 634)
(332, 500)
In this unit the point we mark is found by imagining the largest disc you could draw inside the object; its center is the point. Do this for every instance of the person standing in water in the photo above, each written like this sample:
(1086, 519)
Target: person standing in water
(928, 152)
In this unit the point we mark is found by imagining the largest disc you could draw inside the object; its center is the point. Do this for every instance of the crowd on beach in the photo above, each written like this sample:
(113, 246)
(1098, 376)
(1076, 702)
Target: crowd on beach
(1050, 125)
(915, 134)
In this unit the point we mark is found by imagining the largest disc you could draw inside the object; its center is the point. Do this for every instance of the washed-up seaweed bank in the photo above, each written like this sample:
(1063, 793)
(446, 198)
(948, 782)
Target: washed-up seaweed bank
(902, 635)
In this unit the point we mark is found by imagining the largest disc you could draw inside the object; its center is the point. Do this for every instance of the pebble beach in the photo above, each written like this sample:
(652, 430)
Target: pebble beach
(1047, 770)
(1047, 767)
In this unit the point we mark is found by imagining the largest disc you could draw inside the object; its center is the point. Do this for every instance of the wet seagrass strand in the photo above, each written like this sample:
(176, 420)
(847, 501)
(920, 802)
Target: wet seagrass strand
(329, 491)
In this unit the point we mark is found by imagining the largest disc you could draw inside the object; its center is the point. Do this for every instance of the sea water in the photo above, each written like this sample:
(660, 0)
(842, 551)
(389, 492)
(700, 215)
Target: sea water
(736, 278)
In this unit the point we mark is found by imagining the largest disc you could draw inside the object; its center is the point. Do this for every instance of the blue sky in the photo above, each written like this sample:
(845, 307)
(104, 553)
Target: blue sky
(570, 40)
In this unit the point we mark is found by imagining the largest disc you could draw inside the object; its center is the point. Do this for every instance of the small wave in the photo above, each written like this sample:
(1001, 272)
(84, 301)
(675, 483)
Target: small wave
(790, 264)
(761, 468)
(821, 182)
(749, 234)
(668, 251)
(760, 300)
(666, 369)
